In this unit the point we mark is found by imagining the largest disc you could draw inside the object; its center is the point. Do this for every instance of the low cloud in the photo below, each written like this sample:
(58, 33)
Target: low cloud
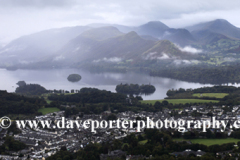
(185, 62)
(190, 49)
(164, 56)
(112, 59)
(166, 33)
(24, 62)
(155, 55)
(59, 58)
(150, 55)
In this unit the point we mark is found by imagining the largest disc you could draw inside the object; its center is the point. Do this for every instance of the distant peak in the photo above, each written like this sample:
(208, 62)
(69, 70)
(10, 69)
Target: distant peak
(221, 21)
(108, 27)
(132, 33)
(155, 24)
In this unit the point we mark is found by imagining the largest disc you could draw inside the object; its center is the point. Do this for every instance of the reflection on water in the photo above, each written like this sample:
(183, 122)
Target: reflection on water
(57, 79)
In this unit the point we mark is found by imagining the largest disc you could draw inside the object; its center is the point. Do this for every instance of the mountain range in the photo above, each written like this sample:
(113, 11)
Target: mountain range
(111, 42)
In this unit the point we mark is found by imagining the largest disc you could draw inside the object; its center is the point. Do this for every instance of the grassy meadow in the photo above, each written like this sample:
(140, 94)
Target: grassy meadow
(209, 142)
(48, 110)
(215, 95)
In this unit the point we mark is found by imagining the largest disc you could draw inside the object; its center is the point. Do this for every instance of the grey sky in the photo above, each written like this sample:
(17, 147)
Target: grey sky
(20, 17)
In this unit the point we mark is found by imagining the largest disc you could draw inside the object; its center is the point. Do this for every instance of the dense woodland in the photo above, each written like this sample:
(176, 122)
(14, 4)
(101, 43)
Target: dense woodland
(232, 99)
(135, 89)
(30, 89)
(215, 89)
(202, 74)
(100, 101)
(17, 104)
(11, 145)
(91, 96)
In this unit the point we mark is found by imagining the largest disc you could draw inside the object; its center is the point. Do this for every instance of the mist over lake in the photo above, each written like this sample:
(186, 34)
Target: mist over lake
(57, 79)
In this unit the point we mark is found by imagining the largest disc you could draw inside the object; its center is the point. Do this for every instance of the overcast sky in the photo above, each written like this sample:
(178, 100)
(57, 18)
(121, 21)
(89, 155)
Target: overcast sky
(21, 17)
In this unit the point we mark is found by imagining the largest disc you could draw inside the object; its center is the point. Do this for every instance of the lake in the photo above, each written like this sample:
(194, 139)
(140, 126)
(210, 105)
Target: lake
(57, 79)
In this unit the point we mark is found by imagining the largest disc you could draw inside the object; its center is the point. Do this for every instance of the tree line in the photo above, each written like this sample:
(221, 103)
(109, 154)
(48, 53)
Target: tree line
(135, 89)
(18, 104)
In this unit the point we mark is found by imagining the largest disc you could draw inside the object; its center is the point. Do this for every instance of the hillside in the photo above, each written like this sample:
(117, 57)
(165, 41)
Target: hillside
(164, 49)
(181, 37)
(101, 33)
(32, 48)
(124, 47)
(153, 28)
(220, 26)
(110, 43)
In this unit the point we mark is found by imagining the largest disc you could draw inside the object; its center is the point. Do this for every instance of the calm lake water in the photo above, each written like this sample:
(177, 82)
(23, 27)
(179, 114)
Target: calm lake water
(57, 79)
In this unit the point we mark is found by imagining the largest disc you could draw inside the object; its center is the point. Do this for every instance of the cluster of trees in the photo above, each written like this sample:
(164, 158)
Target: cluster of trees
(97, 108)
(17, 104)
(82, 90)
(187, 93)
(202, 74)
(231, 99)
(196, 134)
(236, 134)
(63, 154)
(11, 145)
(216, 89)
(95, 96)
(135, 89)
(88, 90)
(30, 89)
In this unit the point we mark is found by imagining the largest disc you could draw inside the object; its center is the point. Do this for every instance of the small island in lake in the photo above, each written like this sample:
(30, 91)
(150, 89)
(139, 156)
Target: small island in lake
(74, 77)
(135, 89)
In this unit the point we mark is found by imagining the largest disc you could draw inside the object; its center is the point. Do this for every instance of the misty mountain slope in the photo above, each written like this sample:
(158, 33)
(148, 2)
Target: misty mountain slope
(161, 31)
(147, 37)
(36, 46)
(181, 37)
(76, 50)
(101, 33)
(83, 42)
(207, 37)
(22, 56)
(82, 46)
(121, 28)
(220, 26)
(126, 46)
(165, 49)
(51, 40)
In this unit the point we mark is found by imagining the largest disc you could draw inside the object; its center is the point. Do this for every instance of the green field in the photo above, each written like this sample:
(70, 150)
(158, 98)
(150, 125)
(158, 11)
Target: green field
(48, 110)
(216, 95)
(143, 142)
(178, 101)
(209, 142)
(45, 96)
